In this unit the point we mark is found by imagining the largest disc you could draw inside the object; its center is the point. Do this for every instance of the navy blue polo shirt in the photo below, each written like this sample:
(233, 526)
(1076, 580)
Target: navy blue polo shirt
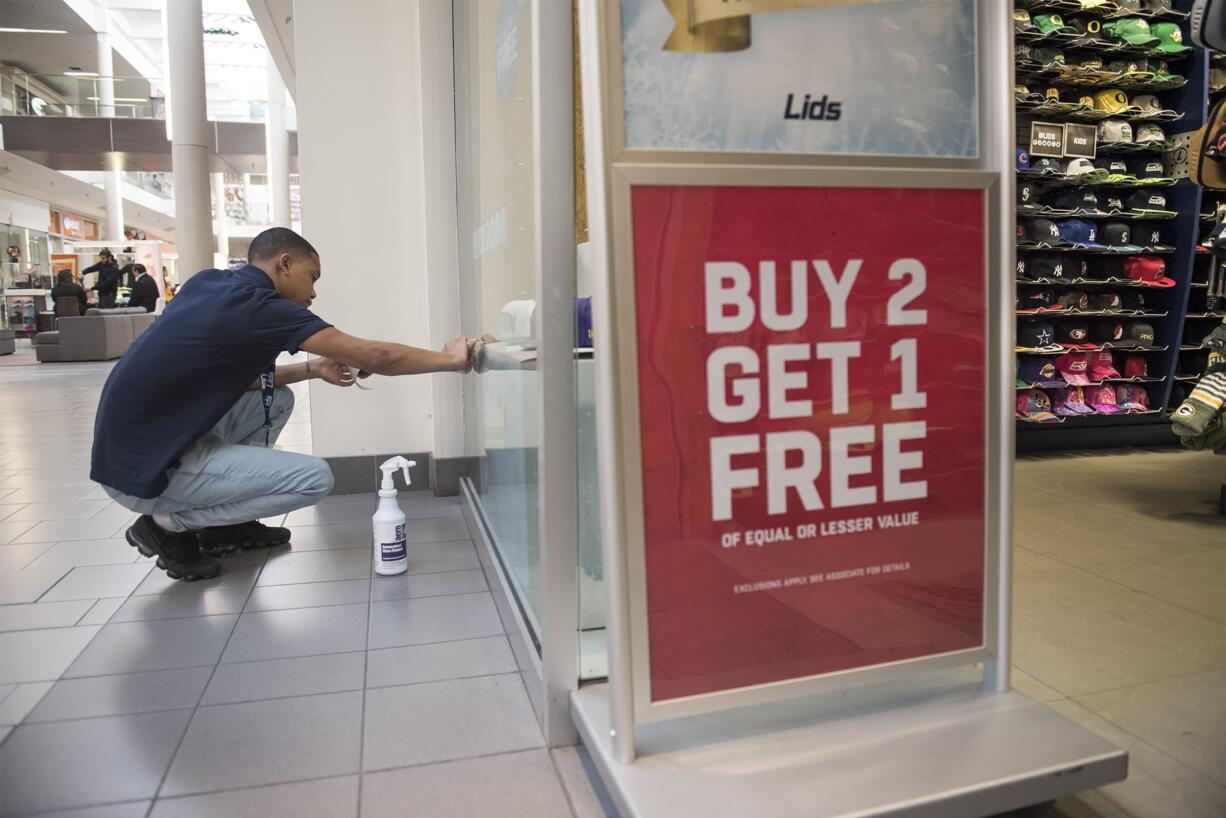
(216, 337)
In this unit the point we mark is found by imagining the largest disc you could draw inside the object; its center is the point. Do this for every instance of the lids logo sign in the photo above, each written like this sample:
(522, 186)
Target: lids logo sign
(813, 109)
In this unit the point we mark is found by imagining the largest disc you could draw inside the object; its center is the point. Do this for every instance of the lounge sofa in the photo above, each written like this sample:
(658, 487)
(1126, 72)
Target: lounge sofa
(8, 342)
(99, 335)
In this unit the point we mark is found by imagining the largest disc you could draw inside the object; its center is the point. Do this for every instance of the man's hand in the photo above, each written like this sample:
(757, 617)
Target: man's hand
(332, 372)
(459, 349)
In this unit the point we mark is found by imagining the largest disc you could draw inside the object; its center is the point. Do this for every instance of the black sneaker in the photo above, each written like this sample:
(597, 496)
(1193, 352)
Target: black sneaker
(178, 553)
(220, 540)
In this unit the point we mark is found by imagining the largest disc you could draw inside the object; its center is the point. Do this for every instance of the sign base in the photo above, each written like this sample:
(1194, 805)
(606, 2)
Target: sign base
(932, 746)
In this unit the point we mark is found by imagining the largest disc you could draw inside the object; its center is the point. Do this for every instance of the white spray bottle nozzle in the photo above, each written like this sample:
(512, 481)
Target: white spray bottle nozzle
(389, 470)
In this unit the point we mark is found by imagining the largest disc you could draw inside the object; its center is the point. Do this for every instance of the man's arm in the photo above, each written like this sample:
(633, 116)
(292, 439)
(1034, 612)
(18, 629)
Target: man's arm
(384, 358)
(291, 373)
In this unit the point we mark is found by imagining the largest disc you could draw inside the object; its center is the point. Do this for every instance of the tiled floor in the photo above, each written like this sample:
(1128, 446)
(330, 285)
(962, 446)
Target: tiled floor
(295, 684)
(298, 684)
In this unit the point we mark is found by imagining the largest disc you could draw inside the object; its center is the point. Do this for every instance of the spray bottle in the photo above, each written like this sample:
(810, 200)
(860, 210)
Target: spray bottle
(390, 555)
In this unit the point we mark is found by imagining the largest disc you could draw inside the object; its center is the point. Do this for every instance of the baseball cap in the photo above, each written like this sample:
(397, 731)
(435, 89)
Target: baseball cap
(1046, 166)
(1105, 301)
(1141, 300)
(1080, 233)
(1038, 299)
(1149, 202)
(1149, 132)
(1049, 57)
(1128, 5)
(1148, 270)
(1170, 38)
(1017, 372)
(1074, 300)
(1114, 132)
(1102, 365)
(1022, 161)
(1138, 333)
(1112, 202)
(1106, 331)
(1040, 372)
(1022, 21)
(1033, 404)
(1088, 5)
(1149, 234)
(1070, 401)
(1116, 169)
(1037, 336)
(1022, 93)
(1158, 6)
(1163, 73)
(1028, 198)
(1149, 169)
(1131, 69)
(1131, 30)
(1105, 268)
(1083, 170)
(1049, 266)
(1136, 366)
(1074, 335)
(1117, 236)
(1111, 101)
(1102, 398)
(1149, 104)
(1053, 24)
(1082, 201)
(1074, 367)
(1132, 398)
(1044, 233)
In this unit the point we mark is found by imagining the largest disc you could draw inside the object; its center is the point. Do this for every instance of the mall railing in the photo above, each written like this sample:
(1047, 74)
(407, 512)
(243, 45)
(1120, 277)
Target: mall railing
(79, 95)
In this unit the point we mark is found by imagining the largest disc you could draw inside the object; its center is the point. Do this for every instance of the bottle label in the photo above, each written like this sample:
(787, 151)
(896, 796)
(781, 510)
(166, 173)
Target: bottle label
(392, 551)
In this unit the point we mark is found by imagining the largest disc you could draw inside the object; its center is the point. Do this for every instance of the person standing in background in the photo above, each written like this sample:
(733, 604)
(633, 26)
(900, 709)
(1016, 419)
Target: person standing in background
(108, 278)
(144, 289)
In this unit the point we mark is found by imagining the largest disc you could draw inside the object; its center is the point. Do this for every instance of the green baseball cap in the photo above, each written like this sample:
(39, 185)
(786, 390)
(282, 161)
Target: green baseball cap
(1053, 24)
(1170, 38)
(1132, 30)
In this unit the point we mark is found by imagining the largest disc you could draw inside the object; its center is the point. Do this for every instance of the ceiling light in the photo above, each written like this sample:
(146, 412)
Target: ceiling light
(9, 30)
(120, 99)
(80, 73)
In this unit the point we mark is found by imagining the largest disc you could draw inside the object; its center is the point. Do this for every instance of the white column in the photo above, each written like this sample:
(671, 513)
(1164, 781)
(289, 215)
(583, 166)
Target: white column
(220, 221)
(111, 180)
(189, 147)
(277, 149)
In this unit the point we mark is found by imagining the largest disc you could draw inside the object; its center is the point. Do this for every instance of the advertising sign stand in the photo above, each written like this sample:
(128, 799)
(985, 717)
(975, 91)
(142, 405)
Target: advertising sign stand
(805, 430)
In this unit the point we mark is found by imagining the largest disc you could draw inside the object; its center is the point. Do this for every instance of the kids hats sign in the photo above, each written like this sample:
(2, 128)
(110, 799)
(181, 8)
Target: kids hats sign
(1061, 140)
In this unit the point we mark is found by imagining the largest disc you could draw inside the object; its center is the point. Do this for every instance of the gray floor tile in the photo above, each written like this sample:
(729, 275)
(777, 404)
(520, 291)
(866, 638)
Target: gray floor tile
(308, 595)
(512, 785)
(325, 537)
(1026, 561)
(67, 530)
(43, 655)
(298, 632)
(102, 611)
(7, 509)
(441, 721)
(236, 573)
(132, 647)
(1157, 786)
(444, 660)
(122, 694)
(60, 510)
(410, 586)
(95, 493)
(42, 615)
(112, 759)
(97, 581)
(11, 531)
(89, 552)
(18, 704)
(456, 555)
(41, 494)
(282, 678)
(317, 566)
(1194, 581)
(15, 558)
(5, 690)
(436, 529)
(208, 602)
(1184, 717)
(333, 511)
(401, 622)
(128, 809)
(1032, 687)
(246, 745)
(326, 798)
(28, 585)
(1082, 634)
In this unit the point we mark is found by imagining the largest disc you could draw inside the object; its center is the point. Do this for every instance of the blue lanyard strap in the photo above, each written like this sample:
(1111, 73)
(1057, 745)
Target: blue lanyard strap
(267, 386)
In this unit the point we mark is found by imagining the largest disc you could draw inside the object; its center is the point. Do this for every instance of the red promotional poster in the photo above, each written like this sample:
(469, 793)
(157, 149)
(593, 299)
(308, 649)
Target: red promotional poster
(812, 386)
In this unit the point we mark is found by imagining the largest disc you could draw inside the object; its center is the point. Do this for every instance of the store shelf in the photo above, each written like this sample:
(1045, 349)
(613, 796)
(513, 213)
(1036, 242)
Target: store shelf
(1090, 314)
(1091, 252)
(1103, 382)
(1102, 348)
(1200, 316)
(1085, 282)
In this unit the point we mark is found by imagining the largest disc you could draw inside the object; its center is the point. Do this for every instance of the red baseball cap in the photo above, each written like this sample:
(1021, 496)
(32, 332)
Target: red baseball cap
(1073, 367)
(1147, 270)
(1135, 366)
(1102, 398)
(1102, 366)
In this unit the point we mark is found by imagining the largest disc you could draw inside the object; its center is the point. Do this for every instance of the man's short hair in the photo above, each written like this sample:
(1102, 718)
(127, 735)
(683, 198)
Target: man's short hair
(277, 240)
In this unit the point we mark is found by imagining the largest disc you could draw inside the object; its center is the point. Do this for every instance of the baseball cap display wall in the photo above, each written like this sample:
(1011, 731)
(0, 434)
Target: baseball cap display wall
(1106, 238)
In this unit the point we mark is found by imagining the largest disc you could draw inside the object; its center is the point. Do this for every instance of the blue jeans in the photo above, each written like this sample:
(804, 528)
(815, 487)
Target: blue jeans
(229, 476)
